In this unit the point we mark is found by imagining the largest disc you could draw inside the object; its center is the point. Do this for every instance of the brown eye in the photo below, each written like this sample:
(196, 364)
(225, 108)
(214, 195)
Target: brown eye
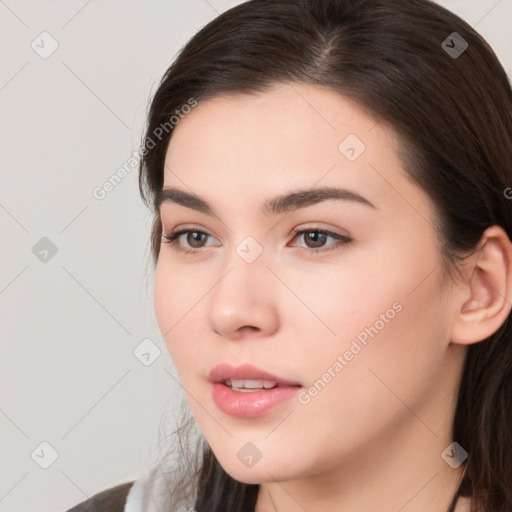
(187, 240)
(195, 238)
(315, 239)
(318, 239)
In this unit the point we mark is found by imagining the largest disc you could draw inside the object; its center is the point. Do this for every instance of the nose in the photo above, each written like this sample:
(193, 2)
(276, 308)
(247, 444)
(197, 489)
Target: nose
(244, 302)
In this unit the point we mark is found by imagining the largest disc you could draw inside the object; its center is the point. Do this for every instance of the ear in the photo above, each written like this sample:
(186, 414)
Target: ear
(486, 298)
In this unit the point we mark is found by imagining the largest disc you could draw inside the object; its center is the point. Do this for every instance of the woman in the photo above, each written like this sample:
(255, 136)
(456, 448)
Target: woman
(333, 268)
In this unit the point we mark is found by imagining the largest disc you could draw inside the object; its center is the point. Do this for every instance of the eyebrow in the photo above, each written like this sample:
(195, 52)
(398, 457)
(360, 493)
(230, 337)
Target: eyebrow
(280, 204)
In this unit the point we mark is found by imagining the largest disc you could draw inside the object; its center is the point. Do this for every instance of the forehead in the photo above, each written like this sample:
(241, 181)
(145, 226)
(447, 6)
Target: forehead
(291, 136)
(299, 118)
(289, 112)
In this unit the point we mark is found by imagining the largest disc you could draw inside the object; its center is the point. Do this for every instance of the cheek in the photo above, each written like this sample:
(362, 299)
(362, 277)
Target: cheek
(391, 330)
(336, 303)
(176, 300)
(388, 304)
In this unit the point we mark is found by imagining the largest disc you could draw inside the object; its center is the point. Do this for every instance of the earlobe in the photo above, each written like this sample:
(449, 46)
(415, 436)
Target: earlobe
(489, 286)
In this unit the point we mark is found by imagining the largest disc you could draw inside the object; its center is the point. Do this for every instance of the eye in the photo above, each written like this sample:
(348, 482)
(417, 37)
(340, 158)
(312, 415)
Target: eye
(194, 237)
(316, 238)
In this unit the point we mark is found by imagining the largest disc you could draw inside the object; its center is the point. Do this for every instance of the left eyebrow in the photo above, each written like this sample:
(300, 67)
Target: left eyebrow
(280, 204)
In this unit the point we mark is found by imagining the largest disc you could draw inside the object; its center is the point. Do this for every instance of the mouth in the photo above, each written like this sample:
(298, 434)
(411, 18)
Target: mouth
(246, 391)
(247, 376)
(248, 386)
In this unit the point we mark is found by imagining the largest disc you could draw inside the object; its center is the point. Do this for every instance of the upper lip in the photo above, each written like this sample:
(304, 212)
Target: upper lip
(225, 371)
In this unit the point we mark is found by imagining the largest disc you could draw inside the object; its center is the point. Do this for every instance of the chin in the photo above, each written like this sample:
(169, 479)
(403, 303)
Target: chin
(260, 472)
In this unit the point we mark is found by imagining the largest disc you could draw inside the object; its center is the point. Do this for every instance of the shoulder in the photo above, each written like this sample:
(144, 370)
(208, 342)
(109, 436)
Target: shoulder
(112, 499)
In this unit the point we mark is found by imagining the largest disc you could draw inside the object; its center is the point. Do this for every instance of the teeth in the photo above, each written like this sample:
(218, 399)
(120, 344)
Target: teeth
(242, 385)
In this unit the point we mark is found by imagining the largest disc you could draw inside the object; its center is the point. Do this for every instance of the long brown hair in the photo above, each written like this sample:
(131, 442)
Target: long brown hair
(452, 111)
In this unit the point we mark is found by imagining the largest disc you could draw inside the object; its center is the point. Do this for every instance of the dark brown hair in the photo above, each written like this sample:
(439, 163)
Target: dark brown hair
(453, 116)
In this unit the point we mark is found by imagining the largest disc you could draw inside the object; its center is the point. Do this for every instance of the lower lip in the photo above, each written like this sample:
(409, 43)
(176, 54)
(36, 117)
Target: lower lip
(250, 404)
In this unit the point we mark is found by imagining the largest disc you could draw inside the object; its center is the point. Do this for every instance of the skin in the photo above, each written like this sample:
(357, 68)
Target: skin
(372, 439)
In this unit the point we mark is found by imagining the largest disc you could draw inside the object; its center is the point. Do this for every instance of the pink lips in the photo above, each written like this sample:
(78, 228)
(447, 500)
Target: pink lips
(252, 403)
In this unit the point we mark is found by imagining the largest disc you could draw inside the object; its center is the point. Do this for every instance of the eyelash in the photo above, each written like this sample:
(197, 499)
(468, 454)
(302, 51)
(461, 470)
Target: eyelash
(172, 239)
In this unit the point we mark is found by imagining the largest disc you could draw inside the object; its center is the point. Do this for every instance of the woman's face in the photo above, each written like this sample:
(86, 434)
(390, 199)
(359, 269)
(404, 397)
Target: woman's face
(355, 318)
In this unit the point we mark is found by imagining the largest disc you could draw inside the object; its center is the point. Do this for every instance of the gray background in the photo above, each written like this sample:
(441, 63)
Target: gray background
(70, 321)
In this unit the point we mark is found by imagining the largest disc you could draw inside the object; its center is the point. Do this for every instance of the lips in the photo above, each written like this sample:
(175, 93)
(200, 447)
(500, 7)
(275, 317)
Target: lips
(248, 392)
(246, 372)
